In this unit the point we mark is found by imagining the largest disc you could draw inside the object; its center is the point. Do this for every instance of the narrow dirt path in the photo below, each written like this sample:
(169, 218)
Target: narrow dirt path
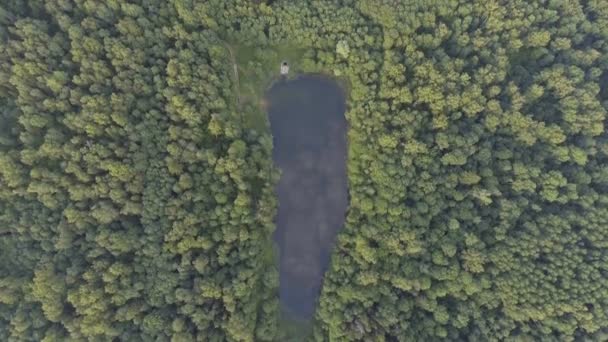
(236, 74)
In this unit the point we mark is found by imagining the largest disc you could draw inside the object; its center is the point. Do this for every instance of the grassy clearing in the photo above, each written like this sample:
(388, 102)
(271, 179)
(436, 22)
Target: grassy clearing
(257, 69)
(294, 330)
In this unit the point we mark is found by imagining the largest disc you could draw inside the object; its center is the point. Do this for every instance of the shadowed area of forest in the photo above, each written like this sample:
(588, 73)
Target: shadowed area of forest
(308, 127)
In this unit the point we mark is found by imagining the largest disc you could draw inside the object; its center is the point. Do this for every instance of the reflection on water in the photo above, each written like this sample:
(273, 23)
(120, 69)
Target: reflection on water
(309, 136)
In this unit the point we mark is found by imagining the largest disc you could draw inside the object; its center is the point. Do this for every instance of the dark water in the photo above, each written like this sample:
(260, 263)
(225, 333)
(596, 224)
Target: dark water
(309, 136)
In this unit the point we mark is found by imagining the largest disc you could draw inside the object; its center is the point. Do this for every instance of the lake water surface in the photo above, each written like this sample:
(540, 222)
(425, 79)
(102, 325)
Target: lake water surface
(309, 137)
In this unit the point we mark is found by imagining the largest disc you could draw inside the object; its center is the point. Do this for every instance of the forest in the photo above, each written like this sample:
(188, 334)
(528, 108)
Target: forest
(136, 178)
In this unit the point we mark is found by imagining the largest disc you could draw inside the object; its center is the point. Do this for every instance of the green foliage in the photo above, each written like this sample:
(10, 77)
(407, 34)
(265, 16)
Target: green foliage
(119, 131)
(476, 203)
(136, 195)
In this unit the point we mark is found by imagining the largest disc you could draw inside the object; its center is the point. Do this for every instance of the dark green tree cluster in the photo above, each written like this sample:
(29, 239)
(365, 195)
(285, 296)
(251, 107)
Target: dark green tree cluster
(134, 205)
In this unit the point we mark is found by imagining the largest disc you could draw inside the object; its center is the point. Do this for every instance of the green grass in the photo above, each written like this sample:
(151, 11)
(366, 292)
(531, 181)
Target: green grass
(294, 330)
(258, 68)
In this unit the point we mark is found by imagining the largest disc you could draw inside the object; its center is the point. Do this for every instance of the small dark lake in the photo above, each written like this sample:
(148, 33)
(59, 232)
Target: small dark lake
(309, 137)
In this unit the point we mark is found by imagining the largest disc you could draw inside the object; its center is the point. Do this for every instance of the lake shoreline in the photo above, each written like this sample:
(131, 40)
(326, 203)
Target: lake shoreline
(307, 120)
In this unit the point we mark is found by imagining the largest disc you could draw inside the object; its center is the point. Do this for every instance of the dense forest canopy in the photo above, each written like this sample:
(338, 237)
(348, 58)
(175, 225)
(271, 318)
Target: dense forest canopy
(136, 192)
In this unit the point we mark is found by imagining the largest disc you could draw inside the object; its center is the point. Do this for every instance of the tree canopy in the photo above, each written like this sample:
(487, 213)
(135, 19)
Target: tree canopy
(136, 197)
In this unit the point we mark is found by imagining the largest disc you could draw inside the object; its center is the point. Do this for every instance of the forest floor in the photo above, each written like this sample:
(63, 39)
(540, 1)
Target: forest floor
(236, 74)
(294, 331)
